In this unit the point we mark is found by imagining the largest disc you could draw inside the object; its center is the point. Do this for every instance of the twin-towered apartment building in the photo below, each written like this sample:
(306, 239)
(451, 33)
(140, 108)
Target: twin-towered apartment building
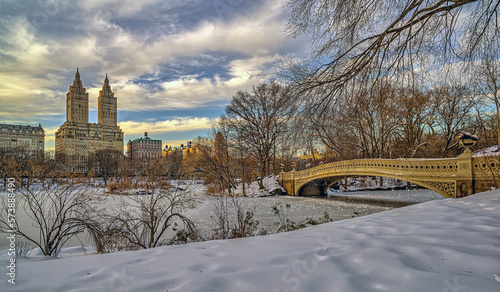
(77, 139)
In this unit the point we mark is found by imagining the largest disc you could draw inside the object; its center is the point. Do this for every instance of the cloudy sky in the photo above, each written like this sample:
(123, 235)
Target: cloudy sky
(173, 64)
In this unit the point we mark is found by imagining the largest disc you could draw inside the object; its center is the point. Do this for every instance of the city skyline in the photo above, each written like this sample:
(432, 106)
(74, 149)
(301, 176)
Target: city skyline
(173, 66)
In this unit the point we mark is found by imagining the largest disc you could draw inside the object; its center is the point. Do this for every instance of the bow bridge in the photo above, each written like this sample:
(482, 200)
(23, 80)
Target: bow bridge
(450, 177)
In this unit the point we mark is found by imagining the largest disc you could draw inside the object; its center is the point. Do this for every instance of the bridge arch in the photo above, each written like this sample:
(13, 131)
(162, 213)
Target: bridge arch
(446, 192)
(450, 177)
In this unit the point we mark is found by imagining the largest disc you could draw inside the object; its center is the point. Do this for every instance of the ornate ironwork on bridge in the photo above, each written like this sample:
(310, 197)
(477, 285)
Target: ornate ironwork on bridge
(451, 177)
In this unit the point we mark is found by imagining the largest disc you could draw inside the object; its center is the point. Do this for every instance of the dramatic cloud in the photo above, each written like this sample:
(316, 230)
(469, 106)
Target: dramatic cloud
(159, 55)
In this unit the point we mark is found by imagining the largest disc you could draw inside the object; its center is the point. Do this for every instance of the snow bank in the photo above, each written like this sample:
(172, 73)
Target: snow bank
(442, 245)
(490, 151)
(271, 187)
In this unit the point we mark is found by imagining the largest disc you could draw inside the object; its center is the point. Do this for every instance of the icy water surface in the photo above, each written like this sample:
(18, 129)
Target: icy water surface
(299, 208)
(314, 207)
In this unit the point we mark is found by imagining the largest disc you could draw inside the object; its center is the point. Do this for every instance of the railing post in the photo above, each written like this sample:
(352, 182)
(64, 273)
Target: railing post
(473, 174)
(467, 141)
(466, 172)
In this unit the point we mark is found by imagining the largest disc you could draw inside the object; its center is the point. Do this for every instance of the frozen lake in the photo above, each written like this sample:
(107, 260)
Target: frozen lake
(303, 207)
(300, 208)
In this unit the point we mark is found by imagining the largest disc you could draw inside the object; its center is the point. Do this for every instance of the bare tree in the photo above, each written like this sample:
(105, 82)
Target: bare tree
(370, 39)
(488, 82)
(128, 171)
(454, 105)
(360, 124)
(260, 119)
(144, 218)
(17, 162)
(107, 163)
(417, 112)
(375, 119)
(215, 161)
(332, 127)
(58, 211)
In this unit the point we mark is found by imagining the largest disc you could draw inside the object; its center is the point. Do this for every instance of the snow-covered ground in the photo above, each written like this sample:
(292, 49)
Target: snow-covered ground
(441, 245)
(490, 151)
(271, 186)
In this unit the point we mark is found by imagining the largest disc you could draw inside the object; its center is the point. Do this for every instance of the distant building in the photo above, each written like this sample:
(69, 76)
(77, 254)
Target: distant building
(169, 150)
(77, 139)
(186, 151)
(313, 155)
(191, 151)
(144, 148)
(24, 138)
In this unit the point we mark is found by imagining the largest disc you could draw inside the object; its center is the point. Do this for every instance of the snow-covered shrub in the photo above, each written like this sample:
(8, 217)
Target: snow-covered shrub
(58, 211)
(271, 188)
(232, 218)
(285, 224)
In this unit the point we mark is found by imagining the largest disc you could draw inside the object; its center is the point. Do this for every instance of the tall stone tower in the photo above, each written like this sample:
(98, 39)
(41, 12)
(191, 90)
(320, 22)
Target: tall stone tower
(77, 102)
(107, 105)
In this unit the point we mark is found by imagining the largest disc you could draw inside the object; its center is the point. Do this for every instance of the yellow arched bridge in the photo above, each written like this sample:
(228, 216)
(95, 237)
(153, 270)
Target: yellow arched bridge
(451, 177)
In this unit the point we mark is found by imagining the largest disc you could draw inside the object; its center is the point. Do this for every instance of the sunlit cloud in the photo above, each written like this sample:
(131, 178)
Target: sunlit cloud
(50, 133)
(167, 126)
